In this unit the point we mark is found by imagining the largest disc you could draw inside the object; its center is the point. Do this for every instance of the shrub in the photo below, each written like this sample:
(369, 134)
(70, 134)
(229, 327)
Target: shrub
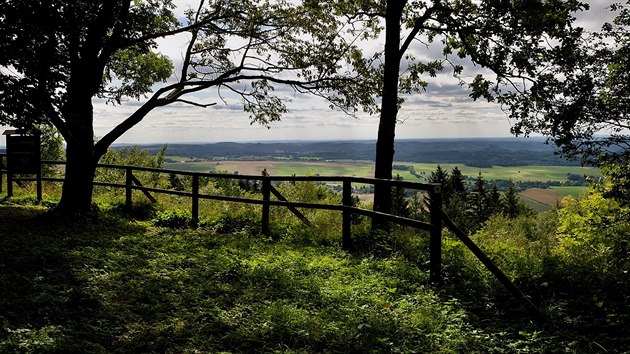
(593, 235)
(176, 218)
(141, 210)
(520, 246)
(236, 222)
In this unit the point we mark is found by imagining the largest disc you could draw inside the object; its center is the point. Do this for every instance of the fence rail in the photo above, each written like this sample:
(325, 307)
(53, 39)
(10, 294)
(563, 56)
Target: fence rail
(437, 216)
(346, 207)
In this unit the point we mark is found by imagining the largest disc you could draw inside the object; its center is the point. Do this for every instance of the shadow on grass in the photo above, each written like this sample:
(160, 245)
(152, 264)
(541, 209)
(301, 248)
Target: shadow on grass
(45, 305)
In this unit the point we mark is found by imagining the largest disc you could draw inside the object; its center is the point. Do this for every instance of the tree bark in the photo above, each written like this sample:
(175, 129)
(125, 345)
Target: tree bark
(81, 160)
(76, 194)
(389, 110)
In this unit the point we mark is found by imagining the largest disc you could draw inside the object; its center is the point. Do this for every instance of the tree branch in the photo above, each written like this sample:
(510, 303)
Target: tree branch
(418, 25)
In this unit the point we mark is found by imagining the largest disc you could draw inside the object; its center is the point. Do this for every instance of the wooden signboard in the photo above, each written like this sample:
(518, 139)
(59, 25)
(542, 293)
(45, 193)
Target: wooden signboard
(23, 154)
(23, 158)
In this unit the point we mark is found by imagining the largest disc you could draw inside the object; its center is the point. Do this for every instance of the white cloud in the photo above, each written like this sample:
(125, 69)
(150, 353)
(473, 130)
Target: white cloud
(445, 110)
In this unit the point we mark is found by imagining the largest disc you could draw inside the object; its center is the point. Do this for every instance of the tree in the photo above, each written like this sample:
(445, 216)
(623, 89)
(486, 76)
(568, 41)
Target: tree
(72, 52)
(478, 199)
(457, 182)
(494, 200)
(400, 204)
(582, 104)
(441, 176)
(507, 37)
(51, 148)
(511, 203)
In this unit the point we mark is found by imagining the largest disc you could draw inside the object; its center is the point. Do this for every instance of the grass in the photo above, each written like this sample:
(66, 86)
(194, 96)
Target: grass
(365, 169)
(112, 284)
(516, 173)
(109, 284)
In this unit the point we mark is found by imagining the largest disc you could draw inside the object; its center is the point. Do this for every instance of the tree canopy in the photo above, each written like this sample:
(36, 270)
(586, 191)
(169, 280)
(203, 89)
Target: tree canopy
(511, 40)
(582, 102)
(58, 56)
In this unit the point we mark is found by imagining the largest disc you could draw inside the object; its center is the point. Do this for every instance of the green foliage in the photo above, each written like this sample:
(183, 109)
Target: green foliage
(133, 156)
(246, 223)
(593, 235)
(521, 246)
(616, 182)
(142, 209)
(51, 149)
(136, 72)
(224, 288)
(400, 204)
(581, 104)
(108, 285)
(175, 218)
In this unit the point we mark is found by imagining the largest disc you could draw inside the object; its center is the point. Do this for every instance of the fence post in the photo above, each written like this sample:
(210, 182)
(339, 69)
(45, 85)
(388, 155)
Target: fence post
(9, 184)
(128, 190)
(39, 186)
(1, 170)
(346, 240)
(266, 193)
(195, 200)
(435, 243)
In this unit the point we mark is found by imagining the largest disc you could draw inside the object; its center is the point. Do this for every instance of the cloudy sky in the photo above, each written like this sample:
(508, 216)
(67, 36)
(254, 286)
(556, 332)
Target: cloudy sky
(443, 111)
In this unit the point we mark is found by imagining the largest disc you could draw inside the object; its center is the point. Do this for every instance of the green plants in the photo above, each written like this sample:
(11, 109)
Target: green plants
(174, 218)
(231, 222)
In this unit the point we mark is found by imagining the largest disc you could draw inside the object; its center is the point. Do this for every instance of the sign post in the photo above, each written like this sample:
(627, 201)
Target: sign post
(23, 157)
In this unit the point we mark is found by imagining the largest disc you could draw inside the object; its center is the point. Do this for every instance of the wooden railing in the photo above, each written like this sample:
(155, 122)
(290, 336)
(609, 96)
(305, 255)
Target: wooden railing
(346, 207)
(437, 216)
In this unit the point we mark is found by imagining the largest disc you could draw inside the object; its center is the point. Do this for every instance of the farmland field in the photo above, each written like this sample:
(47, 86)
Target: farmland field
(537, 198)
(551, 196)
(366, 169)
(281, 168)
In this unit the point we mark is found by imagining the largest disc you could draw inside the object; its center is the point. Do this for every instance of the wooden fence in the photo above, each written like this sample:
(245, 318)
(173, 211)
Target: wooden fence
(434, 227)
(437, 217)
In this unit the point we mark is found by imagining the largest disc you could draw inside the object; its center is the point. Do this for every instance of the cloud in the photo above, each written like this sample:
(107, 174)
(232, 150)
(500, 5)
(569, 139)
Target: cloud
(444, 110)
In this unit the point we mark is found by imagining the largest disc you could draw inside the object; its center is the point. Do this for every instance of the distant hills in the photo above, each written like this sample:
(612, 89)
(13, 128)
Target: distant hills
(477, 152)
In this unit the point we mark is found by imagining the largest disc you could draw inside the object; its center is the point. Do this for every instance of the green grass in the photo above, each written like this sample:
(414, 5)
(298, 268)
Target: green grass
(574, 191)
(106, 283)
(365, 169)
(351, 168)
(516, 173)
(113, 285)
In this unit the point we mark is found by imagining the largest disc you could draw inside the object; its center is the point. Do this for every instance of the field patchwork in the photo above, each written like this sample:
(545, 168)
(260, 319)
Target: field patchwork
(538, 198)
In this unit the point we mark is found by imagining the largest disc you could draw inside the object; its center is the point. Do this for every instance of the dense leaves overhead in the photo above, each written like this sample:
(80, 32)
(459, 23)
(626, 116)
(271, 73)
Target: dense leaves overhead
(511, 41)
(581, 102)
(57, 56)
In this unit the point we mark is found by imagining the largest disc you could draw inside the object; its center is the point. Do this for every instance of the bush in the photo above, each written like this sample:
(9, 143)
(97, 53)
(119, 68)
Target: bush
(176, 218)
(520, 246)
(141, 210)
(236, 222)
(593, 235)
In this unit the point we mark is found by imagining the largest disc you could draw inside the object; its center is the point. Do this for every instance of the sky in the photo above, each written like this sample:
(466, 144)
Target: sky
(443, 111)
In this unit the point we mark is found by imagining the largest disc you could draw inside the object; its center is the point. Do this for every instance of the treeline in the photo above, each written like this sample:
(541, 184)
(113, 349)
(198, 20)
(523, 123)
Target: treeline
(573, 179)
(471, 152)
(470, 205)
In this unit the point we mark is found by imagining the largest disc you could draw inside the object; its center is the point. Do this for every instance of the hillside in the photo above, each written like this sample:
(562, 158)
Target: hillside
(111, 284)
(482, 152)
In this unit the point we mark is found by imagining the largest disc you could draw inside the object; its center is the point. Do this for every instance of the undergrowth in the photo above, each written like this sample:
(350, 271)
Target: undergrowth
(143, 280)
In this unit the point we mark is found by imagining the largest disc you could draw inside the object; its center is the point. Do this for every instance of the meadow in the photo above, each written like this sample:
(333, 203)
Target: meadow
(366, 169)
(537, 198)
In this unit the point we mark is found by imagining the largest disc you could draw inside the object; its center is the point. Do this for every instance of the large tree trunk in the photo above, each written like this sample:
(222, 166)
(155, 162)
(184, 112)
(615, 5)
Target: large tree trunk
(389, 109)
(81, 160)
(76, 195)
